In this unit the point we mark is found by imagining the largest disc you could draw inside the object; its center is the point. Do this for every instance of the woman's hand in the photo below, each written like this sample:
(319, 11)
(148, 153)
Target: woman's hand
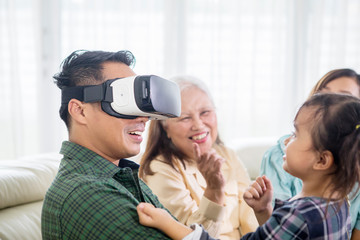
(209, 164)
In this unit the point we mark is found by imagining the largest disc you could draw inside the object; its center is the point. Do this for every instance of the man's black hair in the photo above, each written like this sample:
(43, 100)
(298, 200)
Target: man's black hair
(84, 67)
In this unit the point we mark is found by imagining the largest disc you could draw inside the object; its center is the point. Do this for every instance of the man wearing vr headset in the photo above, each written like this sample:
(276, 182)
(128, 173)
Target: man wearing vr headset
(96, 191)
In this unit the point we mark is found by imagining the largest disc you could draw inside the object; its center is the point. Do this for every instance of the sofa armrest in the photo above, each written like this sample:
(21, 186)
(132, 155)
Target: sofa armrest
(26, 179)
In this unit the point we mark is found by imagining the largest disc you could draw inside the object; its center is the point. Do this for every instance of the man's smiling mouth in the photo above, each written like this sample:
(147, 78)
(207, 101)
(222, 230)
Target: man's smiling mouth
(137, 133)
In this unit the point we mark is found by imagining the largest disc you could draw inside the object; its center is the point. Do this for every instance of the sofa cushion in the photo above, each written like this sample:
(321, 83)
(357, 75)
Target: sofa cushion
(27, 179)
(21, 222)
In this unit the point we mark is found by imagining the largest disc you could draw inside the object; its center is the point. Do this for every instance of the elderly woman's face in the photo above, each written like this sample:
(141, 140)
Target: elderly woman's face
(197, 123)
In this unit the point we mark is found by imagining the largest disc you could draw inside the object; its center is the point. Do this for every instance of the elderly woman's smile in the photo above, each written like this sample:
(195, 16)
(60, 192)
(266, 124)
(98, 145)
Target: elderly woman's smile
(199, 138)
(197, 122)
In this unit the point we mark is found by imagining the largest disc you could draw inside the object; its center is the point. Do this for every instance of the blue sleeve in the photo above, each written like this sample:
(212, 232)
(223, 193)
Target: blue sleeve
(355, 209)
(285, 185)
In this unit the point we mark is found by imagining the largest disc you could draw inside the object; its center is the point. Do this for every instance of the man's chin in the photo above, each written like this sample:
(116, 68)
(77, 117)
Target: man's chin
(134, 154)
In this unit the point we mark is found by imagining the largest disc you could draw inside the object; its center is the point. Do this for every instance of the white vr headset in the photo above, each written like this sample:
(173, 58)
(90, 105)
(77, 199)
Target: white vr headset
(131, 97)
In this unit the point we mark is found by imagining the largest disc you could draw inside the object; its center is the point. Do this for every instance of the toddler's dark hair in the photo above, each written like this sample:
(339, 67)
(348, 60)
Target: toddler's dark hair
(336, 129)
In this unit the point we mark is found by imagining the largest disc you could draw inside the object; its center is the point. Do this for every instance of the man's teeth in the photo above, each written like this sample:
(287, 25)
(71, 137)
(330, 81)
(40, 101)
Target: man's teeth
(135, 133)
(199, 137)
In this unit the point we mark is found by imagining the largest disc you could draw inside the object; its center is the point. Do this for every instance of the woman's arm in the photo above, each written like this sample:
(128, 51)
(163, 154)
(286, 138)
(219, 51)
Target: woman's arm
(181, 193)
(237, 170)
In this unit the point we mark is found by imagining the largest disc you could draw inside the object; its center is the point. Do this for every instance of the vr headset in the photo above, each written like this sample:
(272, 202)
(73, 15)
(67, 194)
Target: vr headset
(131, 97)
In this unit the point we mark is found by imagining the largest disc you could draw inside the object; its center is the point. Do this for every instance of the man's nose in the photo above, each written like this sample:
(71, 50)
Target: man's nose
(142, 119)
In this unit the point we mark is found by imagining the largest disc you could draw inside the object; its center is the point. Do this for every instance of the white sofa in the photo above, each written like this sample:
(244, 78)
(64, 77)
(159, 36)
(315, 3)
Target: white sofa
(23, 184)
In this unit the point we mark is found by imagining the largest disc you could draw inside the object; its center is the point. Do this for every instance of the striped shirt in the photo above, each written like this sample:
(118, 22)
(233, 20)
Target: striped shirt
(306, 218)
(91, 198)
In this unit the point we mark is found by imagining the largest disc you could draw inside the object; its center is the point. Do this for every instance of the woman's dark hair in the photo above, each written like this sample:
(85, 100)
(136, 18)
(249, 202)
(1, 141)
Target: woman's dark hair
(158, 143)
(85, 68)
(332, 75)
(336, 128)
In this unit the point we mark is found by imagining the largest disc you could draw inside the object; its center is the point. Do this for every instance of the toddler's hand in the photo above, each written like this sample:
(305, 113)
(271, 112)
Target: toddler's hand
(159, 218)
(259, 194)
(151, 216)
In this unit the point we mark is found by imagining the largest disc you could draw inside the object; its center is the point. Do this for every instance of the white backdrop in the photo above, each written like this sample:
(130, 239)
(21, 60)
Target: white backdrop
(259, 58)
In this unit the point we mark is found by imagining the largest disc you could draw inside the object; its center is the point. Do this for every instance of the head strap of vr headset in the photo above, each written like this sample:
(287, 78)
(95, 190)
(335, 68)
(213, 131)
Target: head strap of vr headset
(89, 93)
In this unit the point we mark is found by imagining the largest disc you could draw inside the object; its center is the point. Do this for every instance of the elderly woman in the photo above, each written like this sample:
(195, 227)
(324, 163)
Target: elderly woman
(195, 176)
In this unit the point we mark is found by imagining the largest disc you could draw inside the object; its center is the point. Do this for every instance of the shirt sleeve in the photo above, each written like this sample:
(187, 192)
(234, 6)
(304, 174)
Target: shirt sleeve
(357, 224)
(355, 210)
(168, 185)
(248, 221)
(100, 211)
(247, 218)
(198, 234)
(284, 223)
(285, 185)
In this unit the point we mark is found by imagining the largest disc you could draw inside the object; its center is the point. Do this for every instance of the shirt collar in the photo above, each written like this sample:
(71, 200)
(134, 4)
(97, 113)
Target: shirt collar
(123, 163)
(89, 159)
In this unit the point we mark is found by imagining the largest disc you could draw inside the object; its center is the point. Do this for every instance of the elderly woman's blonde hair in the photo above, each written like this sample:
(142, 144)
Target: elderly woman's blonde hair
(186, 81)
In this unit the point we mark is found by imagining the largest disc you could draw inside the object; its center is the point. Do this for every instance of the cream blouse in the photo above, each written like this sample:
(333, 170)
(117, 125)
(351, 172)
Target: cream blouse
(181, 192)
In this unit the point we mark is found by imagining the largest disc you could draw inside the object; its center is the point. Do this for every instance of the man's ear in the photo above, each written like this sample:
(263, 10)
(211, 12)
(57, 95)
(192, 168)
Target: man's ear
(76, 111)
(325, 161)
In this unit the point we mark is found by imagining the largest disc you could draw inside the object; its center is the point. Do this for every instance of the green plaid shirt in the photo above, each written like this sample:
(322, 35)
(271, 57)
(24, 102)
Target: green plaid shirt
(91, 198)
